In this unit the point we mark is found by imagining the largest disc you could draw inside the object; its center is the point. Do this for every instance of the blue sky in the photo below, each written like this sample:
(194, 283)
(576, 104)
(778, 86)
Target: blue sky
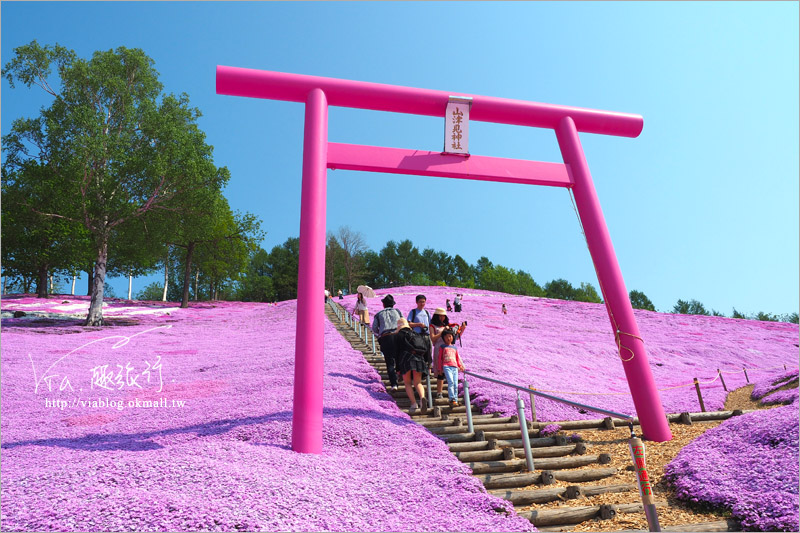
(703, 204)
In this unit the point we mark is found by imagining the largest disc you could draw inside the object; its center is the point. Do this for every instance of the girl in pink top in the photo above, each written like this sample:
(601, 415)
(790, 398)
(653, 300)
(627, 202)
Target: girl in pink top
(450, 362)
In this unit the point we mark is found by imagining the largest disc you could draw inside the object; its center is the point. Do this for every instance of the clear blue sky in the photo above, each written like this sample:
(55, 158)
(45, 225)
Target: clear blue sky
(703, 204)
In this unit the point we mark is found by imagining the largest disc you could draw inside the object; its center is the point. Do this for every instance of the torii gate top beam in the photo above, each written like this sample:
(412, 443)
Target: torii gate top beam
(235, 81)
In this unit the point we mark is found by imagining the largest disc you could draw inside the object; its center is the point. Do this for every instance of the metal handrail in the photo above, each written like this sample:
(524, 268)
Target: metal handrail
(549, 397)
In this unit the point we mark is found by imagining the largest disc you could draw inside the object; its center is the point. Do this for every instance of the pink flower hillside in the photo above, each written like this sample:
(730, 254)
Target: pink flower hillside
(748, 464)
(567, 349)
(183, 421)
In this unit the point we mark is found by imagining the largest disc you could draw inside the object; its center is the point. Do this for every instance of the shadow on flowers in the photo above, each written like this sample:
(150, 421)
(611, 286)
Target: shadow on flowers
(140, 442)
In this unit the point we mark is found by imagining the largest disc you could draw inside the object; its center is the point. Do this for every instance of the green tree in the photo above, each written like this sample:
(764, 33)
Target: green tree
(120, 147)
(560, 289)
(692, 307)
(737, 314)
(282, 268)
(151, 293)
(766, 317)
(498, 278)
(256, 283)
(587, 293)
(223, 257)
(464, 273)
(792, 318)
(640, 301)
(480, 267)
(36, 245)
(335, 275)
(527, 286)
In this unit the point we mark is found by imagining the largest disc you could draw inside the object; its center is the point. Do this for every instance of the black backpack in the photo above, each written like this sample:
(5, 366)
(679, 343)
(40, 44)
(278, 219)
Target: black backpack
(414, 343)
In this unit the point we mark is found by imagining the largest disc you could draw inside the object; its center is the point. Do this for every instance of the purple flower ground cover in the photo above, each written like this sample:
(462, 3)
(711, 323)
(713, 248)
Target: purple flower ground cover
(192, 431)
(748, 464)
(568, 350)
(223, 460)
(770, 384)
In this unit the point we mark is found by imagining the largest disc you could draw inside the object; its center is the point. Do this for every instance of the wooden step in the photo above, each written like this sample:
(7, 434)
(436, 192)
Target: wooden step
(547, 463)
(528, 497)
(510, 481)
(484, 427)
(484, 445)
(499, 453)
(576, 515)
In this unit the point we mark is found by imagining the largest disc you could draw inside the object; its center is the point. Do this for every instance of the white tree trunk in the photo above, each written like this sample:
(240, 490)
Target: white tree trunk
(196, 281)
(166, 279)
(73, 284)
(5, 278)
(51, 284)
(130, 285)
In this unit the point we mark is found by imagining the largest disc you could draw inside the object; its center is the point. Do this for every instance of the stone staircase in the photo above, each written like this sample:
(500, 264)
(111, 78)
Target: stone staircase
(494, 451)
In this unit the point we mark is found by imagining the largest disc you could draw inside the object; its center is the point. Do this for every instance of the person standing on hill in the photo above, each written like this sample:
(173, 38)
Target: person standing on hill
(361, 309)
(457, 303)
(505, 311)
(384, 326)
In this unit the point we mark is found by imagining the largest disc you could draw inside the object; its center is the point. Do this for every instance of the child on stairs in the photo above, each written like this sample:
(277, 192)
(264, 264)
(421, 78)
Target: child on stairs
(449, 361)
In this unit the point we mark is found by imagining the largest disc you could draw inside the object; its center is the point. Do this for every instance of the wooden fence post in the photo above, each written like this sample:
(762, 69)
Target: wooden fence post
(533, 404)
(722, 379)
(699, 396)
(745, 374)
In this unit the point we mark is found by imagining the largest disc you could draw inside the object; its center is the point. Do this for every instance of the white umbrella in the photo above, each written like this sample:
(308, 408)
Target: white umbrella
(366, 290)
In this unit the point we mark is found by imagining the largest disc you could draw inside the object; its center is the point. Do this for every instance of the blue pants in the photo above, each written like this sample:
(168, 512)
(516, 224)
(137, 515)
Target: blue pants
(451, 375)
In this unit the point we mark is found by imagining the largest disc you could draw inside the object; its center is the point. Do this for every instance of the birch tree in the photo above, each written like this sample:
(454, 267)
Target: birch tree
(121, 147)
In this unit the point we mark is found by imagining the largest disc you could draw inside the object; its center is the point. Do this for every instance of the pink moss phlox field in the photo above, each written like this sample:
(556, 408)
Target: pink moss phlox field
(567, 349)
(769, 384)
(211, 451)
(748, 464)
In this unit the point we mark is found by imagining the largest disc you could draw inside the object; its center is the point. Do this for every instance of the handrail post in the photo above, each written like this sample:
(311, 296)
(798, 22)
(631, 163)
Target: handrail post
(523, 427)
(428, 386)
(468, 405)
(373, 342)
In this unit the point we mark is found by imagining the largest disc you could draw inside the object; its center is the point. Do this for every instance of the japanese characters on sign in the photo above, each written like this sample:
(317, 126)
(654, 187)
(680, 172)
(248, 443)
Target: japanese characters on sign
(637, 454)
(456, 125)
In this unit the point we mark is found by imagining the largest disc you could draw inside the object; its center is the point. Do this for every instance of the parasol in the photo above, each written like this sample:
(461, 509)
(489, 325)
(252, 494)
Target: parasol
(366, 290)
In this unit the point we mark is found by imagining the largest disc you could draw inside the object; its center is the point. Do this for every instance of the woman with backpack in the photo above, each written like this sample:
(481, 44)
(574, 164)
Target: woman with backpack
(412, 352)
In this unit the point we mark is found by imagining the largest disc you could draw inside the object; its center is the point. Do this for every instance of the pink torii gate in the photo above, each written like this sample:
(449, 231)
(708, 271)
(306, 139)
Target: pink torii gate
(318, 155)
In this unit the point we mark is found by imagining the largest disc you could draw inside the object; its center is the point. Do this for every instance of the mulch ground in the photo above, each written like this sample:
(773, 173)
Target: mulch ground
(658, 455)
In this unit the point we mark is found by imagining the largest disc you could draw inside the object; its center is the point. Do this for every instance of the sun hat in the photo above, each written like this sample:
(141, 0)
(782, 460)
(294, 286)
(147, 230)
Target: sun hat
(402, 323)
(440, 311)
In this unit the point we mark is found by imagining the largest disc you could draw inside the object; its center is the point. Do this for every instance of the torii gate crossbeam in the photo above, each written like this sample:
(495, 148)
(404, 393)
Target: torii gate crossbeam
(318, 155)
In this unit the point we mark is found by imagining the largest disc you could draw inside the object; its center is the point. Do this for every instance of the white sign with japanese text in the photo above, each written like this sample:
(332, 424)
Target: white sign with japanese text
(456, 126)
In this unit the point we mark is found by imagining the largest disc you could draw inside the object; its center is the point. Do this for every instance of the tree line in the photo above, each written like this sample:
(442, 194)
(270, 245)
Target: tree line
(349, 262)
(115, 177)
